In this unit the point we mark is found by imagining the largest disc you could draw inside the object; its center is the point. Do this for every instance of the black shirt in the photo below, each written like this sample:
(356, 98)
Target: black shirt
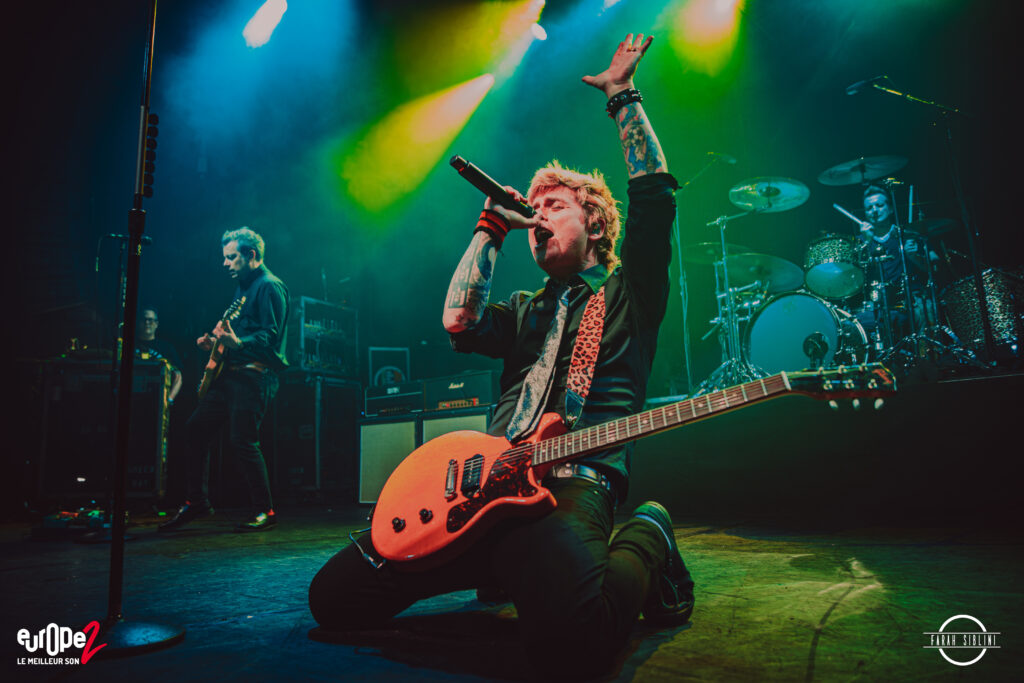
(158, 348)
(636, 295)
(262, 321)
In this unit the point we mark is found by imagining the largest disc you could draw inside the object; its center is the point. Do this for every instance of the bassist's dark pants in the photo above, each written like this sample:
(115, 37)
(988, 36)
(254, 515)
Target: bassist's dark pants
(576, 595)
(240, 398)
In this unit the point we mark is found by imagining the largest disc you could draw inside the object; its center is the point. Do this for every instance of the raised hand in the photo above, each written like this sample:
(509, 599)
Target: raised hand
(619, 74)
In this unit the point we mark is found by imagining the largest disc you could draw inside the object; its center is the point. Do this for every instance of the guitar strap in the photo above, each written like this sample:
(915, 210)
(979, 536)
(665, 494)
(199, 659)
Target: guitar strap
(584, 357)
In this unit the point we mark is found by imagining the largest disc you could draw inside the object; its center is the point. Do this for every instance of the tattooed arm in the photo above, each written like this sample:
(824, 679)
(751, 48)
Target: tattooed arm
(639, 143)
(470, 285)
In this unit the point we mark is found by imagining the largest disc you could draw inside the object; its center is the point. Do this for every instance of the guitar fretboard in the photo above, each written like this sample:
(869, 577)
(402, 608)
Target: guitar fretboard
(626, 429)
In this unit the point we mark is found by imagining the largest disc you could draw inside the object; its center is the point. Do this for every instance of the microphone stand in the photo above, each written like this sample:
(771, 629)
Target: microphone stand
(123, 637)
(972, 235)
(684, 294)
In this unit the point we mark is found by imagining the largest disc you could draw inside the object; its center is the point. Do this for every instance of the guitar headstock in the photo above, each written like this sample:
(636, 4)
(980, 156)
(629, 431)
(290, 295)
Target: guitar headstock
(234, 309)
(869, 380)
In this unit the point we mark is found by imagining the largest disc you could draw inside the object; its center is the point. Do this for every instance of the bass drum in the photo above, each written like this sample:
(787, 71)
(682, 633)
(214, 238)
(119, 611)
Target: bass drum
(795, 331)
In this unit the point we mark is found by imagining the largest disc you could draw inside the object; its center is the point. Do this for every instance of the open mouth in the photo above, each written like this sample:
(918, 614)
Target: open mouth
(542, 235)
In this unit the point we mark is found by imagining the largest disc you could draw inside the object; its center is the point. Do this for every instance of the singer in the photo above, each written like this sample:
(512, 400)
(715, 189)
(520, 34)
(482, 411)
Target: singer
(577, 591)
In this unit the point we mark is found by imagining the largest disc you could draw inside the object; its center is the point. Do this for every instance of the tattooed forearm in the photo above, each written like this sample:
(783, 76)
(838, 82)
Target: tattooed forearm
(639, 143)
(471, 284)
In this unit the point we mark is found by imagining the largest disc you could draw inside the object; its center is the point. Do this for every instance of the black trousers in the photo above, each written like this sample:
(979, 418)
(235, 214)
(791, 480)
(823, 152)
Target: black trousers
(239, 398)
(577, 596)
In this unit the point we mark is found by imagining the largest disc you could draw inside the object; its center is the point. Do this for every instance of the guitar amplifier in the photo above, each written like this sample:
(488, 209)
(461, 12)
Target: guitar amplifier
(394, 399)
(468, 390)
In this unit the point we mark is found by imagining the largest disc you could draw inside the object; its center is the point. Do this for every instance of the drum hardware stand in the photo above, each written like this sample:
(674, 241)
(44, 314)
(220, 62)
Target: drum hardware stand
(973, 237)
(684, 292)
(734, 368)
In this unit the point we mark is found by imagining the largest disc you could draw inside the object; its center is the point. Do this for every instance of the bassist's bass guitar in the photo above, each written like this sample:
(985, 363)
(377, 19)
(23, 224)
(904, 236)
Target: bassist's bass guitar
(458, 484)
(216, 361)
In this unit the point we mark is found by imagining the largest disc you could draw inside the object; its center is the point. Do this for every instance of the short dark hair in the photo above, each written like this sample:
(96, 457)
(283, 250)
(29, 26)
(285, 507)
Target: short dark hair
(248, 240)
(875, 189)
(149, 308)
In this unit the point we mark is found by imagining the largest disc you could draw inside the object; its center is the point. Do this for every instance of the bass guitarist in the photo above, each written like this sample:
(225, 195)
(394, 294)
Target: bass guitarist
(253, 349)
(577, 591)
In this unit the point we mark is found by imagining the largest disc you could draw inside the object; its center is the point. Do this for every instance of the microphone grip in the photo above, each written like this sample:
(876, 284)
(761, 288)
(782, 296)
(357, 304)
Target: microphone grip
(489, 186)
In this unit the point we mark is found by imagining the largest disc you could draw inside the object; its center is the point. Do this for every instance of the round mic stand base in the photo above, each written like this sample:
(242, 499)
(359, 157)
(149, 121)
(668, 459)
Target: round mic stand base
(127, 638)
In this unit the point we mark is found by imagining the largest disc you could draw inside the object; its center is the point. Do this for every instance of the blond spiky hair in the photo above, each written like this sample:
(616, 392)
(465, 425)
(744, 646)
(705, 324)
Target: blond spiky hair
(593, 195)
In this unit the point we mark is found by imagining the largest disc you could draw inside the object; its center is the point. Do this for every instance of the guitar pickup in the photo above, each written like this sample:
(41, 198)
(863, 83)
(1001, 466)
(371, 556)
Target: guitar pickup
(471, 475)
(450, 479)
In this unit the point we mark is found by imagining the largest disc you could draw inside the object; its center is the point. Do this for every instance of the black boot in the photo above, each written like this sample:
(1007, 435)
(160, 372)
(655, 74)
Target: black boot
(186, 513)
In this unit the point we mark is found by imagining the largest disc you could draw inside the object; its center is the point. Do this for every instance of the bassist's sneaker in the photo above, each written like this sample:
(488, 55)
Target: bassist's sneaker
(670, 601)
(258, 522)
(186, 513)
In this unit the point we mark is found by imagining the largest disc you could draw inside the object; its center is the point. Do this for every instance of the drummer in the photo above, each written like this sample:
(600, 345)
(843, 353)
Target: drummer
(879, 240)
(879, 235)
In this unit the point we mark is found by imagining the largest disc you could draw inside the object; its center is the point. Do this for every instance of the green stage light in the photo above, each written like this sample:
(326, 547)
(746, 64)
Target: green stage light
(705, 32)
(395, 155)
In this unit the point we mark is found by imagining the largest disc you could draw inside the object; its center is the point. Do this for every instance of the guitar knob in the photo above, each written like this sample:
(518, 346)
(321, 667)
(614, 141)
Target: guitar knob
(397, 524)
(426, 515)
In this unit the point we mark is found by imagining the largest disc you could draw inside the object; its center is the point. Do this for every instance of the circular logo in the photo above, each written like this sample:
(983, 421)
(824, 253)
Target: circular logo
(964, 638)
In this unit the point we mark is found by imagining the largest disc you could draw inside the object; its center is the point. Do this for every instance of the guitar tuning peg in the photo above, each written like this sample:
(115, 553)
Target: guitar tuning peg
(856, 404)
(879, 402)
(833, 405)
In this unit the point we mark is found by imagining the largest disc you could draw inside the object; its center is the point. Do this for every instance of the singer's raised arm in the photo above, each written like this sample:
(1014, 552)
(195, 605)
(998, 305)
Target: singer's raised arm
(639, 143)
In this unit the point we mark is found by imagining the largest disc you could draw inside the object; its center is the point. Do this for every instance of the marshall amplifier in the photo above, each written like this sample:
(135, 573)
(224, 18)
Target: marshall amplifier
(469, 390)
(394, 399)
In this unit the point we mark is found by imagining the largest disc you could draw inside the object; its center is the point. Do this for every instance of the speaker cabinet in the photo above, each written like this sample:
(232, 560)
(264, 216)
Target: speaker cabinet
(314, 437)
(384, 443)
(77, 456)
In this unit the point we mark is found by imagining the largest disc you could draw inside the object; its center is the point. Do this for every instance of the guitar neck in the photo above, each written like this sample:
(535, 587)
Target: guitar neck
(626, 429)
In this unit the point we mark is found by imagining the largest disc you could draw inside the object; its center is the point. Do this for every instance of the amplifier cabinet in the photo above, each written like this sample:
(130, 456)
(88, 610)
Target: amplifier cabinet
(385, 442)
(314, 437)
(76, 461)
(468, 390)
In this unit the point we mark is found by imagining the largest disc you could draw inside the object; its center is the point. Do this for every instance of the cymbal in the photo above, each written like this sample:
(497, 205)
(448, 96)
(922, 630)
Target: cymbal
(769, 194)
(861, 170)
(780, 274)
(932, 226)
(708, 253)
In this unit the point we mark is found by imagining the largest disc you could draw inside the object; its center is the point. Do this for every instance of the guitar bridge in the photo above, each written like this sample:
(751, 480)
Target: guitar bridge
(450, 479)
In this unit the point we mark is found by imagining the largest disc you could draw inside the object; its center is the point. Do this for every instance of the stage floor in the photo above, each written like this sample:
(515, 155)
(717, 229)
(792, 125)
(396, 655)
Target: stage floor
(774, 602)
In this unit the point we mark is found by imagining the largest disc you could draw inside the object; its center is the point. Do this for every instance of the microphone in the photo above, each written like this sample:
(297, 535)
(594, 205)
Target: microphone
(489, 187)
(724, 157)
(815, 348)
(860, 85)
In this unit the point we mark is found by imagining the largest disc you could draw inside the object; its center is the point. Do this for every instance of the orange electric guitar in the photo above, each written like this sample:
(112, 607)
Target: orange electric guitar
(216, 362)
(459, 483)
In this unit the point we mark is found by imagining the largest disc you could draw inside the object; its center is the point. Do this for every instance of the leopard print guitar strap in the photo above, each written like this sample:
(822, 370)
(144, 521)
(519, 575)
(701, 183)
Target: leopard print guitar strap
(584, 357)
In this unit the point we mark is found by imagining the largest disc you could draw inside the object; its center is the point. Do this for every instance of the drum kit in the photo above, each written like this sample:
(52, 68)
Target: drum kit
(840, 308)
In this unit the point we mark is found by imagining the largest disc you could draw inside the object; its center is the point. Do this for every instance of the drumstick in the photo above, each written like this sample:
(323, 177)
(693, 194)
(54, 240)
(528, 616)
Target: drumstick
(849, 215)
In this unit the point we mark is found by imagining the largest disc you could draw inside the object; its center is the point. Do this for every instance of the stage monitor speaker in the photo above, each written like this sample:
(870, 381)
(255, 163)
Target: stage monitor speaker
(382, 445)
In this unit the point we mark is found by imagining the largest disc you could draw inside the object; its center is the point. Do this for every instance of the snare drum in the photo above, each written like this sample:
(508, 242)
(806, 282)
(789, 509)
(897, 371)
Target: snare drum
(832, 267)
(794, 328)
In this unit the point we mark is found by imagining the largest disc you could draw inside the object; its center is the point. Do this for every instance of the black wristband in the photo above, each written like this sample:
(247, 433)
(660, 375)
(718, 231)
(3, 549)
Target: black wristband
(621, 99)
